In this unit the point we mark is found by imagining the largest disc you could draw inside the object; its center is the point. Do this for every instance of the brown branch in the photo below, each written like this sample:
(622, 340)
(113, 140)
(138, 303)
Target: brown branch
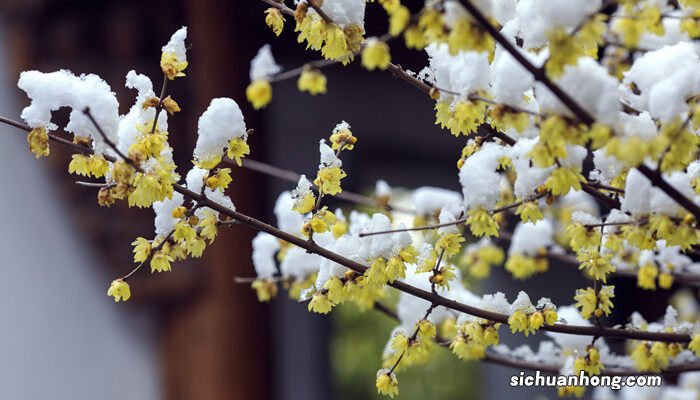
(517, 363)
(311, 247)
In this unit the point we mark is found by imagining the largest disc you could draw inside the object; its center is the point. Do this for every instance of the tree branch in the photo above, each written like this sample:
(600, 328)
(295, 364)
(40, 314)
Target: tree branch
(311, 247)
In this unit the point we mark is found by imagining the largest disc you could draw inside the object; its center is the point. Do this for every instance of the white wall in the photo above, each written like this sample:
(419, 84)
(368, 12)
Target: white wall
(61, 337)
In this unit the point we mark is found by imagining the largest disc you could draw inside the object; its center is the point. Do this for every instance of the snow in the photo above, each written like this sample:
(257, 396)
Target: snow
(342, 126)
(264, 248)
(288, 220)
(195, 179)
(382, 189)
(263, 65)
(590, 85)
(571, 316)
(463, 73)
(606, 167)
(641, 197)
(164, 220)
(509, 80)
(411, 309)
(51, 91)
(429, 200)
(528, 177)
(299, 264)
(328, 157)
(522, 303)
(446, 217)
(529, 237)
(665, 79)
(534, 19)
(478, 177)
(128, 133)
(345, 12)
(221, 122)
(218, 197)
(176, 44)
(496, 302)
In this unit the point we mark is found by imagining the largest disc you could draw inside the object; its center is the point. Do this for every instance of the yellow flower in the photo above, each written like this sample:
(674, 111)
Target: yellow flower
(387, 383)
(171, 66)
(184, 231)
(522, 266)
(312, 81)
(443, 276)
(375, 54)
(590, 304)
(237, 149)
(335, 290)
(208, 227)
(426, 329)
(119, 290)
(304, 203)
(339, 229)
(466, 349)
(395, 269)
(343, 138)
(575, 391)
(536, 320)
(586, 300)
(598, 265)
(398, 20)
(564, 179)
(170, 105)
(564, 50)
(590, 363)
(694, 345)
(336, 45)
(328, 180)
(142, 249)
(148, 189)
(413, 36)
(161, 262)
(481, 223)
(264, 289)
(646, 276)
(582, 237)
(220, 180)
(259, 93)
(450, 243)
(94, 165)
(376, 274)
(38, 141)
(504, 118)
(550, 316)
(529, 212)
(196, 246)
(320, 303)
(466, 35)
(519, 322)
(665, 280)
(409, 254)
(491, 336)
(274, 20)
(643, 359)
(178, 212)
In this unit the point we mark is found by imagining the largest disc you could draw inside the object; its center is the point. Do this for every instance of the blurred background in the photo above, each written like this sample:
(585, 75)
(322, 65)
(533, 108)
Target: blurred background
(194, 333)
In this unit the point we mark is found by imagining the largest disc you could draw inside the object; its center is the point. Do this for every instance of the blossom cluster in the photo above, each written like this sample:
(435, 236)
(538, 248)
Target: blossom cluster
(576, 142)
